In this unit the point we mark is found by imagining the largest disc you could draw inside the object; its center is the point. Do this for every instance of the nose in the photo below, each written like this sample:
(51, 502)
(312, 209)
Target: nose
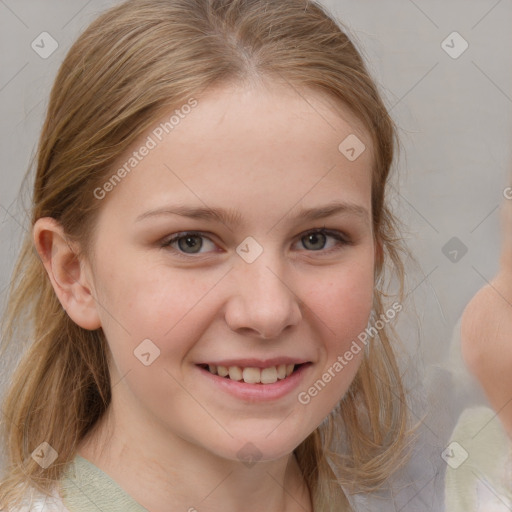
(263, 302)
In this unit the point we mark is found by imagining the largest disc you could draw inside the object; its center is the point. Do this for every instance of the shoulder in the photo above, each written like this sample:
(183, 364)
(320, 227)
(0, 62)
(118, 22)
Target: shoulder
(477, 460)
(36, 501)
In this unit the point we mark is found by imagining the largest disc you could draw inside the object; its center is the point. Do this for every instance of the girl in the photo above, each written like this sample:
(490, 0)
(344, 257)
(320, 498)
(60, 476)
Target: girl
(204, 277)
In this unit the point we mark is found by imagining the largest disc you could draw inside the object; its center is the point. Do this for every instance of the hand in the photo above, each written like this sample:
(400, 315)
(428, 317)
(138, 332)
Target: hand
(486, 330)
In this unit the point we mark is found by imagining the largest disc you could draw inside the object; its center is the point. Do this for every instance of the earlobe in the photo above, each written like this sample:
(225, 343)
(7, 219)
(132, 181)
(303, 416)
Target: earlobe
(66, 272)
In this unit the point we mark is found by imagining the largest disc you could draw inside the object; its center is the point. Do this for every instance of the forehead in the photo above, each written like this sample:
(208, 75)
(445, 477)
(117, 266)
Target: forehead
(270, 141)
(273, 113)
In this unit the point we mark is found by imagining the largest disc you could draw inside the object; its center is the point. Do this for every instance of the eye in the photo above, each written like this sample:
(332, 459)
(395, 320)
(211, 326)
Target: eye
(188, 243)
(315, 240)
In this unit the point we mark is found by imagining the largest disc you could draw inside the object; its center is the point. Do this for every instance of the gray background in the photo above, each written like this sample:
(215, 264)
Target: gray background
(456, 129)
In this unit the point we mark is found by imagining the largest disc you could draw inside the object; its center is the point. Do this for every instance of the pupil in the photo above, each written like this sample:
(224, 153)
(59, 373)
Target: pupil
(191, 242)
(314, 237)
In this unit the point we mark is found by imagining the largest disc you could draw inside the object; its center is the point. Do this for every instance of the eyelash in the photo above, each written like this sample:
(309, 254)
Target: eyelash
(342, 239)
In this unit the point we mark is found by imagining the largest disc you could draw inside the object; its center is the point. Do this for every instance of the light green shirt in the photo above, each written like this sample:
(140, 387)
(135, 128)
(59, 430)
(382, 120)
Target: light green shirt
(83, 488)
(478, 472)
(86, 488)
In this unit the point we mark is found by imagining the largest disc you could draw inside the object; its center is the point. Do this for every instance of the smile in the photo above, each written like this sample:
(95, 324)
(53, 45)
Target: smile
(251, 374)
(251, 383)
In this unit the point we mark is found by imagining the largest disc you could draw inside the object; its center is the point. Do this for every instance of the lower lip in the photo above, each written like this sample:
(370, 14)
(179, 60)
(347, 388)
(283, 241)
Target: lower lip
(257, 392)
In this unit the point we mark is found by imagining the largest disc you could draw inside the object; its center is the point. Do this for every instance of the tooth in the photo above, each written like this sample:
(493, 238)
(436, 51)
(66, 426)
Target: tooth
(289, 369)
(222, 371)
(235, 373)
(252, 375)
(212, 368)
(281, 371)
(269, 375)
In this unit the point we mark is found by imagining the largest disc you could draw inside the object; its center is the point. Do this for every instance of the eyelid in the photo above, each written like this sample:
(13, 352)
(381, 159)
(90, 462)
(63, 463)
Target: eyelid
(341, 237)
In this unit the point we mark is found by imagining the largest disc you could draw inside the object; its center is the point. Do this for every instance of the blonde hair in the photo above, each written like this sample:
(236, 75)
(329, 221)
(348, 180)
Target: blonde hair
(130, 66)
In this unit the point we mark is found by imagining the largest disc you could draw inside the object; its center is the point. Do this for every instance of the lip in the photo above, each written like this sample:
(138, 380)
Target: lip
(257, 392)
(256, 363)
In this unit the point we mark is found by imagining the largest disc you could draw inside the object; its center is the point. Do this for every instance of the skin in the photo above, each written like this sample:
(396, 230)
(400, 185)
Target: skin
(486, 325)
(265, 152)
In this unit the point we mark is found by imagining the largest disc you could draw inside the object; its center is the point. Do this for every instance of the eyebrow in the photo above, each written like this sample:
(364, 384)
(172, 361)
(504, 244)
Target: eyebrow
(230, 216)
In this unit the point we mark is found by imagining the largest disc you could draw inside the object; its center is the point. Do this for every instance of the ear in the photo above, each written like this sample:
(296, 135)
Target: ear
(67, 273)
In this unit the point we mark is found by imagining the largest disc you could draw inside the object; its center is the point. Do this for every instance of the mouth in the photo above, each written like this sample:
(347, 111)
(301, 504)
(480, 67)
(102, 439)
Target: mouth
(253, 375)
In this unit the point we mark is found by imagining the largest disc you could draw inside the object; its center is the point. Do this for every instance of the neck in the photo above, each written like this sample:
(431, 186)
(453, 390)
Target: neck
(156, 473)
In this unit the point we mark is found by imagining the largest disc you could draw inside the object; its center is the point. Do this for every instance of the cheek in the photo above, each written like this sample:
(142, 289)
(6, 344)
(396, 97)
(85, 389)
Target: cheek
(342, 305)
(141, 301)
(343, 299)
(136, 293)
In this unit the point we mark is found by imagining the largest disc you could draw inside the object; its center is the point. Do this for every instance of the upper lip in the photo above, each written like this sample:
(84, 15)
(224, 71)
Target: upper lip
(256, 363)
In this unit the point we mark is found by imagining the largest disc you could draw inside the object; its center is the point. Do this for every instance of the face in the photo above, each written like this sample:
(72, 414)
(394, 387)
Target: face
(256, 290)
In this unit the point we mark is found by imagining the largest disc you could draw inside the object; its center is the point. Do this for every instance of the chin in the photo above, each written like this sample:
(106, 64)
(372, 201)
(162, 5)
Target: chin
(257, 448)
